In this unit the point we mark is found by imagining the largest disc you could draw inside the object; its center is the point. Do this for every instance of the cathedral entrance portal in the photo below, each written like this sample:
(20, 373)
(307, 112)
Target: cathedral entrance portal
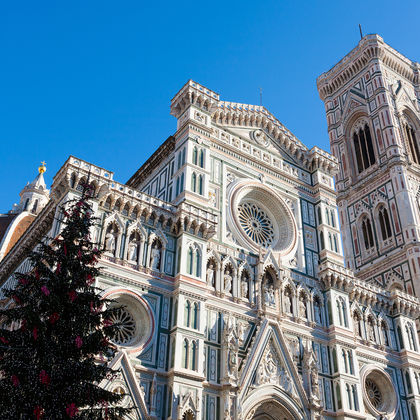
(271, 410)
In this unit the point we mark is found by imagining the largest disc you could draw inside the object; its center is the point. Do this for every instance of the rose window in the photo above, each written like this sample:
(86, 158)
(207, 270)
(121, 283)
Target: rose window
(378, 391)
(256, 224)
(126, 326)
(373, 393)
(134, 319)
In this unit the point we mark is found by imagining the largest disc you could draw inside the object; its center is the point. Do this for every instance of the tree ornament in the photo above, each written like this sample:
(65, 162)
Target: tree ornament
(78, 342)
(65, 249)
(35, 333)
(38, 412)
(15, 380)
(71, 410)
(45, 290)
(44, 377)
(72, 295)
(4, 340)
(53, 318)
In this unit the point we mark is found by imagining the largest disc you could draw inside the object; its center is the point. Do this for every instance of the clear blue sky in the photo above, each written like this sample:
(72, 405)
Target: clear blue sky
(94, 78)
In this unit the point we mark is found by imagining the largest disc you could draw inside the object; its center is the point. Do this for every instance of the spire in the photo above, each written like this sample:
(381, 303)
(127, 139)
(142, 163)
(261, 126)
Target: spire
(35, 195)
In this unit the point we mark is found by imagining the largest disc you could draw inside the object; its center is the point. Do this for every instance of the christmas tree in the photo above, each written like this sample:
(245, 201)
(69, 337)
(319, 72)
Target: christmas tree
(54, 339)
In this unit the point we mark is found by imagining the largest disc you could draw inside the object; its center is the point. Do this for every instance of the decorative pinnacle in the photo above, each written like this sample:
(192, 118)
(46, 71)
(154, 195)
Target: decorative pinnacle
(42, 168)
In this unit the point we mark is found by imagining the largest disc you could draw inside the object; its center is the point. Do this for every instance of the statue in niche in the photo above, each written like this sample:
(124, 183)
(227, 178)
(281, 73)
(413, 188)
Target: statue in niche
(371, 332)
(302, 306)
(155, 257)
(210, 276)
(110, 242)
(232, 339)
(227, 283)
(314, 382)
(244, 288)
(317, 312)
(287, 302)
(133, 250)
(269, 295)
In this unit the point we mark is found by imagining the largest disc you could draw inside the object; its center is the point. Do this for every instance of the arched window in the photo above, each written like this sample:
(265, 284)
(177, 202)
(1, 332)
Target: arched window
(332, 218)
(126, 210)
(73, 180)
(319, 215)
(200, 184)
(335, 243)
(384, 223)
(412, 143)
(179, 160)
(340, 314)
(197, 263)
(35, 206)
(193, 358)
(201, 159)
(367, 233)
(351, 365)
(183, 156)
(330, 241)
(408, 383)
(349, 397)
(363, 147)
(190, 256)
(338, 394)
(195, 156)
(25, 207)
(185, 354)
(177, 186)
(411, 337)
(181, 183)
(355, 399)
(195, 316)
(327, 214)
(321, 239)
(344, 356)
(187, 313)
(193, 182)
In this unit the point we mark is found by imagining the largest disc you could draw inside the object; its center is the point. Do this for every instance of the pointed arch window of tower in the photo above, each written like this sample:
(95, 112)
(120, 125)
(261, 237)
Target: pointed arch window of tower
(367, 233)
(412, 143)
(384, 223)
(363, 147)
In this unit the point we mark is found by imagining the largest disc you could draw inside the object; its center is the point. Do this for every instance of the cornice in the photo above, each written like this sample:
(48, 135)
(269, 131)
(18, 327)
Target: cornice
(371, 47)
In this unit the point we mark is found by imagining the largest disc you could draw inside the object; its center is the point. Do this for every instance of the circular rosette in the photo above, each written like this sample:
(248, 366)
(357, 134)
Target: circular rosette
(134, 318)
(259, 217)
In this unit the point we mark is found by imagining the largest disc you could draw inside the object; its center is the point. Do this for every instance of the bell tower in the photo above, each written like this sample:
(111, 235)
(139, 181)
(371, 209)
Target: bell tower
(372, 100)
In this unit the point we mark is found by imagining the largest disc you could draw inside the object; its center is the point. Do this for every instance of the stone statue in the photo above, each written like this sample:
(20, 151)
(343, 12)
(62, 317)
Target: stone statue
(317, 312)
(155, 257)
(132, 250)
(228, 283)
(302, 306)
(210, 276)
(244, 288)
(287, 304)
(314, 382)
(110, 241)
(371, 332)
(271, 295)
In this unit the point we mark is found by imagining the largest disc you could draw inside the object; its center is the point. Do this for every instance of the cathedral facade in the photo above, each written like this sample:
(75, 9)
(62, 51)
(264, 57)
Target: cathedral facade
(241, 300)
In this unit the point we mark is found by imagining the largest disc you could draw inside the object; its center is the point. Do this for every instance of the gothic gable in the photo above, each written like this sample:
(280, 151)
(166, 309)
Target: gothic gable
(127, 382)
(270, 363)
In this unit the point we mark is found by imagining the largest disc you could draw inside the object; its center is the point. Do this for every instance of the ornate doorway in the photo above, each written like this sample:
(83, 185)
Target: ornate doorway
(270, 410)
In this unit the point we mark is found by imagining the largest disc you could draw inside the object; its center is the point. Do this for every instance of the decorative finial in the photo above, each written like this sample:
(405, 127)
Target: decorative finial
(42, 168)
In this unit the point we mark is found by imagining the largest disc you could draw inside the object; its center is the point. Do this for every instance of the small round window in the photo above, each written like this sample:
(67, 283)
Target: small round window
(134, 318)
